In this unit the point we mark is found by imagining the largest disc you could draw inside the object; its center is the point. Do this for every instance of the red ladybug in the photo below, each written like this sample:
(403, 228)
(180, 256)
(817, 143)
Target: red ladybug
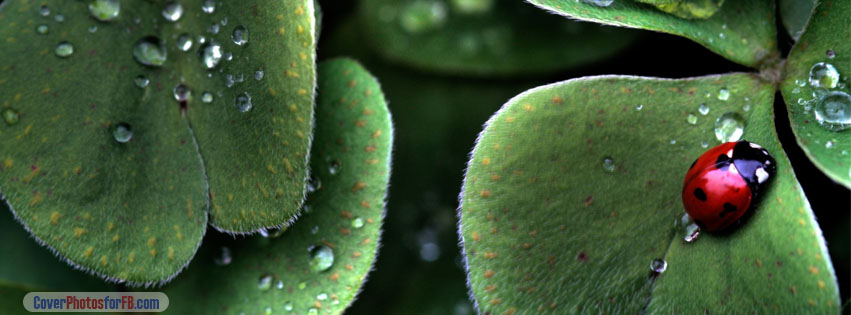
(722, 183)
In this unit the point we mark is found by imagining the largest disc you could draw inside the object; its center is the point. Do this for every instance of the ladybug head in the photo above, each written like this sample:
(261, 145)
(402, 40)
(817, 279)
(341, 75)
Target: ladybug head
(754, 164)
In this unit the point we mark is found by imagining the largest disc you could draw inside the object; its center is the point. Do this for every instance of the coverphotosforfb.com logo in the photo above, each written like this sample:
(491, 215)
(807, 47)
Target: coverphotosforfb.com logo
(95, 302)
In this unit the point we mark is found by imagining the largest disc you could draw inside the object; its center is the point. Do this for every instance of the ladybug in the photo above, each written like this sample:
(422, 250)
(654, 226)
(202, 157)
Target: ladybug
(722, 184)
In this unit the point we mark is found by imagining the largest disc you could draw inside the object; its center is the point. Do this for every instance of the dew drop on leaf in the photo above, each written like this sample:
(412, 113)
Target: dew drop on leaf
(830, 54)
(747, 107)
(59, 18)
(313, 184)
(279, 285)
(149, 51)
(704, 144)
(658, 266)
(302, 285)
(224, 21)
(44, 10)
(224, 257)
(181, 93)
(333, 166)
(314, 230)
(828, 144)
(357, 223)
(423, 15)
(64, 49)
(104, 10)
(184, 42)
(93, 28)
(242, 102)
(703, 109)
(691, 119)
(639, 107)
(209, 6)
(833, 111)
(599, 3)
(321, 258)
(824, 75)
(258, 75)
(322, 296)
(268, 310)
(312, 311)
(207, 97)
(141, 81)
(122, 133)
(10, 116)
(240, 35)
(173, 11)
(723, 94)
(288, 306)
(800, 82)
(265, 282)
(41, 29)
(211, 54)
(692, 232)
(729, 127)
(213, 29)
(608, 164)
(673, 141)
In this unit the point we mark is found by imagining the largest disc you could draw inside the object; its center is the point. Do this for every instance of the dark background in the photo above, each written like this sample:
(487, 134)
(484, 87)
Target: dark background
(436, 119)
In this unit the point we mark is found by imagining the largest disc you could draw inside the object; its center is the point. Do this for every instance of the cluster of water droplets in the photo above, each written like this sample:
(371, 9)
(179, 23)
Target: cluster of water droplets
(829, 102)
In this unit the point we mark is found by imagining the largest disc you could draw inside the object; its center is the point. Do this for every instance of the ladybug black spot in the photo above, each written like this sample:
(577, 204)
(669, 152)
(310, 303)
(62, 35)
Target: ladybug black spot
(700, 194)
(722, 162)
(727, 208)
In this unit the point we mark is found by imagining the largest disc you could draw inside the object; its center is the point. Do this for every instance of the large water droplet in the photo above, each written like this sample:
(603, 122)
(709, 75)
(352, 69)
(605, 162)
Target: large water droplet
(224, 257)
(729, 127)
(824, 75)
(141, 81)
(207, 97)
(691, 119)
(41, 29)
(64, 49)
(182, 93)
(723, 94)
(357, 223)
(122, 133)
(104, 10)
(10, 116)
(599, 3)
(150, 51)
(658, 265)
(242, 102)
(692, 232)
(265, 282)
(703, 109)
(173, 11)
(240, 35)
(422, 15)
(833, 111)
(211, 54)
(321, 258)
(184, 42)
(288, 306)
(608, 164)
(209, 6)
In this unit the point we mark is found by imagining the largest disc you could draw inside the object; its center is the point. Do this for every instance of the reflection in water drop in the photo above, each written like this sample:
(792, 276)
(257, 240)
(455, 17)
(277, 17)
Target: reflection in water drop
(184, 42)
(181, 93)
(211, 54)
(723, 94)
(824, 75)
(692, 232)
(691, 119)
(729, 127)
(150, 51)
(209, 6)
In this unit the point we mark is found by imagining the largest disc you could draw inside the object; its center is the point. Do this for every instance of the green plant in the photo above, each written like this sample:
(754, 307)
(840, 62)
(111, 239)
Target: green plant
(128, 127)
(572, 190)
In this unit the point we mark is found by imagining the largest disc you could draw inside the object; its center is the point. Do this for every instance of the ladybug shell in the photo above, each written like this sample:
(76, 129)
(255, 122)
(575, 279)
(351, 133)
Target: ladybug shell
(722, 183)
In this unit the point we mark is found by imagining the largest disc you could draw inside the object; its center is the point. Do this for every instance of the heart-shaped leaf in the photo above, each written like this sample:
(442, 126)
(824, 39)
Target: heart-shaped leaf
(322, 260)
(794, 14)
(106, 109)
(816, 90)
(742, 31)
(484, 37)
(573, 190)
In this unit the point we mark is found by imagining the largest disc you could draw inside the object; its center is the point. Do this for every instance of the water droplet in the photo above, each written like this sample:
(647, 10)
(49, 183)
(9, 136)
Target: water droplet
(44, 10)
(729, 127)
(265, 282)
(658, 265)
(608, 164)
(322, 296)
(639, 107)
(209, 6)
(334, 167)
(357, 223)
(201, 39)
(704, 144)
(207, 97)
(10, 116)
(302, 285)
(796, 90)
(833, 111)
(703, 109)
(228, 80)
(242, 102)
(122, 133)
(314, 230)
(288, 306)
(828, 144)
(41, 29)
(800, 82)
(321, 258)
(228, 56)
(802, 101)
(279, 285)
(173, 11)
(723, 94)
(673, 141)
(312, 311)
(692, 232)
(240, 35)
(184, 42)
(141, 81)
(182, 93)
(64, 49)
(268, 310)
(224, 21)
(722, 35)
(258, 75)
(149, 51)
(423, 15)
(313, 184)
(93, 28)
(59, 18)
(691, 119)
(830, 54)
(224, 257)
(211, 54)
(104, 10)
(824, 75)
(747, 107)
(599, 3)
(213, 29)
